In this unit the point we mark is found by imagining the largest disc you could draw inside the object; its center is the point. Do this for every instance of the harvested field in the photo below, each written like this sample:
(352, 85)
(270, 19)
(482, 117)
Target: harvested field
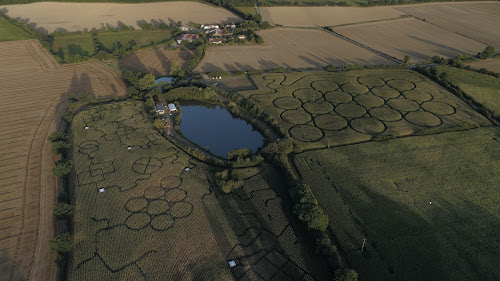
(50, 16)
(155, 60)
(326, 16)
(425, 205)
(33, 90)
(418, 39)
(475, 20)
(288, 47)
(490, 64)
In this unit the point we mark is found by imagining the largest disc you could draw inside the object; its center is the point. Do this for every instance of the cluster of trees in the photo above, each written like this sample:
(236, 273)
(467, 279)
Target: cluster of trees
(75, 102)
(60, 145)
(307, 207)
(207, 94)
(228, 181)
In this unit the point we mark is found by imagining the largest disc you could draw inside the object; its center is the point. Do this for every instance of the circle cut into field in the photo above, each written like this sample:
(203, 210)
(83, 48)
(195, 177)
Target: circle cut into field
(337, 97)
(417, 95)
(350, 110)
(176, 195)
(385, 92)
(330, 122)
(318, 107)
(298, 116)
(354, 88)
(423, 118)
(368, 100)
(385, 114)
(401, 85)
(367, 125)
(87, 147)
(162, 222)
(137, 221)
(154, 192)
(306, 133)
(147, 165)
(403, 105)
(287, 103)
(157, 207)
(324, 85)
(136, 204)
(371, 81)
(306, 94)
(440, 108)
(181, 210)
(170, 182)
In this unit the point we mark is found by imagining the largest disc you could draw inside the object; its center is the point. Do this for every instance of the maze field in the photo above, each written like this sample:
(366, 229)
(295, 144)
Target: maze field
(155, 60)
(157, 220)
(418, 39)
(320, 109)
(33, 91)
(288, 47)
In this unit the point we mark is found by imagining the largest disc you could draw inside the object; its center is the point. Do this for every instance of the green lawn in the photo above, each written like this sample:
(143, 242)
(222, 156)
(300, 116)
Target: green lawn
(74, 44)
(9, 32)
(128, 39)
(248, 10)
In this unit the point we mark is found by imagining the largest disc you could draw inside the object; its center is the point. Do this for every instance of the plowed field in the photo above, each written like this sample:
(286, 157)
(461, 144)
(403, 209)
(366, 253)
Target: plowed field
(156, 60)
(33, 87)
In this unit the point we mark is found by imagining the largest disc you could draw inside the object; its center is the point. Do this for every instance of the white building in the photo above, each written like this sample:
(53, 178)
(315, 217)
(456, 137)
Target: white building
(209, 26)
(172, 108)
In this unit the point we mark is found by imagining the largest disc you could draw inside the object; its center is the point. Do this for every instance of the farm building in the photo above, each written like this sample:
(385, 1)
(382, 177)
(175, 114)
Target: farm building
(232, 25)
(187, 37)
(214, 32)
(241, 37)
(210, 26)
(172, 108)
(215, 40)
(184, 28)
(160, 109)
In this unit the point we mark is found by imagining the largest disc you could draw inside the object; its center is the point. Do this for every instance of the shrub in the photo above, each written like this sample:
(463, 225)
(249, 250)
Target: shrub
(59, 147)
(62, 243)
(57, 137)
(62, 168)
(63, 210)
(487, 53)
(345, 274)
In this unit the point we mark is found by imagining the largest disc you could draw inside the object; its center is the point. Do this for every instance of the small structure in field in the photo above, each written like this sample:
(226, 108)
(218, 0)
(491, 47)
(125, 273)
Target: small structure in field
(232, 263)
(190, 37)
(101, 190)
(241, 37)
(160, 109)
(215, 41)
(172, 108)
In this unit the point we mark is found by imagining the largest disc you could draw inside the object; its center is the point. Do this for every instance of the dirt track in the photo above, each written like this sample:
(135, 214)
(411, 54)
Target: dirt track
(155, 60)
(33, 89)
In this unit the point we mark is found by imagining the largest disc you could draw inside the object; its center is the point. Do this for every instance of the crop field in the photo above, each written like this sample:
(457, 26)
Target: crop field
(33, 90)
(491, 64)
(474, 20)
(156, 60)
(418, 39)
(288, 47)
(50, 16)
(318, 109)
(157, 220)
(428, 206)
(9, 32)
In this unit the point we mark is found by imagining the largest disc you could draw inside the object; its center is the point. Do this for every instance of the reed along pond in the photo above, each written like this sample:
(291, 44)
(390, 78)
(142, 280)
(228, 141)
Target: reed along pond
(213, 126)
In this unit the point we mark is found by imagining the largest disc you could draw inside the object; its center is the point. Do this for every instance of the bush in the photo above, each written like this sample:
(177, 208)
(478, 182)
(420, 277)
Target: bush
(63, 210)
(62, 168)
(59, 147)
(487, 53)
(307, 207)
(345, 274)
(62, 243)
(57, 137)
(238, 153)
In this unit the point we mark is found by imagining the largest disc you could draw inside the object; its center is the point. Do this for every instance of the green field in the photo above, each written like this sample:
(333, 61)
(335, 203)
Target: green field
(73, 44)
(157, 221)
(248, 10)
(429, 206)
(128, 39)
(9, 32)
(318, 109)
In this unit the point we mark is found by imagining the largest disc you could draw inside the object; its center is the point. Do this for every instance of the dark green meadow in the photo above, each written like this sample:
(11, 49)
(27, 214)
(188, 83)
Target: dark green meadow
(10, 32)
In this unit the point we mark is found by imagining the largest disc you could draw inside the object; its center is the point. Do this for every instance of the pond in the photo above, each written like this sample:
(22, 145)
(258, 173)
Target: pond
(214, 127)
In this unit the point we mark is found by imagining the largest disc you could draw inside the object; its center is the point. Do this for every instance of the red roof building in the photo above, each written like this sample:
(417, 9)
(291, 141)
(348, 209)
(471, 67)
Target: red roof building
(190, 37)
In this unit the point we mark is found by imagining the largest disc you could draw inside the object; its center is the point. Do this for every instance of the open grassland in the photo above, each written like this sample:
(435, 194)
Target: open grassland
(318, 109)
(74, 44)
(475, 20)
(481, 88)
(9, 32)
(156, 60)
(490, 64)
(157, 221)
(34, 88)
(427, 206)
(326, 16)
(68, 16)
(129, 39)
(418, 39)
(288, 47)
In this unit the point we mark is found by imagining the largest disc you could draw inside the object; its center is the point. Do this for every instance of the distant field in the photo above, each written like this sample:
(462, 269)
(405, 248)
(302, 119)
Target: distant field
(288, 47)
(74, 44)
(156, 60)
(491, 64)
(427, 206)
(131, 38)
(248, 10)
(9, 32)
(68, 16)
(418, 39)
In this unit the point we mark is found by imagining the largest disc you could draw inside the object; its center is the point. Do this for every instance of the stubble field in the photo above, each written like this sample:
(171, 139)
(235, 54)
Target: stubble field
(34, 87)
(491, 64)
(156, 60)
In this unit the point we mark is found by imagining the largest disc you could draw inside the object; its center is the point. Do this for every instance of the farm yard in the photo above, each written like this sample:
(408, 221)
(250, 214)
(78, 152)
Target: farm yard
(34, 89)
(427, 206)
(157, 220)
(288, 47)
(156, 60)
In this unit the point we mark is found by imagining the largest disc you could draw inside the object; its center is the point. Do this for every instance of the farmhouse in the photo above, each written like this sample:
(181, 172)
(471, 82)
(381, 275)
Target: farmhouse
(216, 41)
(160, 109)
(190, 37)
(172, 108)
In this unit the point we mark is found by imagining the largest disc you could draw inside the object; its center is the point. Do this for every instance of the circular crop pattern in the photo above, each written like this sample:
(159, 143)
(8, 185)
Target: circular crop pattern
(330, 122)
(367, 125)
(306, 133)
(137, 221)
(354, 88)
(170, 182)
(417, 95)
(318, 107)
(154, 192)
(423, 118)
(297, 116)
(403, 105)
(162, 222)
(157, 207)
(401, 85)
(368, 100)
(385, 92)
(440, 108)
(176, 195)
(324, 85)
(385, 114)
(287, 103)
(350, 110)
(136, 204)
(88, 147)
(181, 210)
(147, 165)
(337, 97)
(307, 94)
(371, 81)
